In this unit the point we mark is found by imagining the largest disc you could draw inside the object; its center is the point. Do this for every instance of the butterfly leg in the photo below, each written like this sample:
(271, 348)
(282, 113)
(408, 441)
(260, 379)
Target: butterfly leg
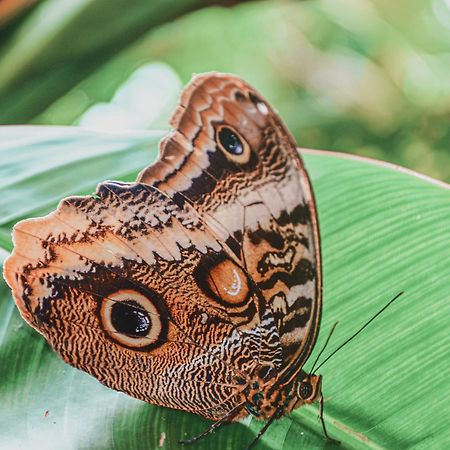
(215, 426)
(274, 416)
(327, 437)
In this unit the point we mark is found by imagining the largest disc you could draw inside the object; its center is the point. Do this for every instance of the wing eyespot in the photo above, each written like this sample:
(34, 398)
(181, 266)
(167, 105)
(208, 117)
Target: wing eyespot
(223, 282)
(233, 144)
(131, 319)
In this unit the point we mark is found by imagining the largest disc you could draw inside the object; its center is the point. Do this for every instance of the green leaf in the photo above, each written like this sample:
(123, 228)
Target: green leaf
(61, 43)
(40, 165)
(384, 230)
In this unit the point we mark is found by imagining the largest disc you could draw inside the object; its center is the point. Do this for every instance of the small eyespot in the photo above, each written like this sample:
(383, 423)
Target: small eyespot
(131, 319)
(259, 104)
(230, 141)
(233, 144)
(305, 390)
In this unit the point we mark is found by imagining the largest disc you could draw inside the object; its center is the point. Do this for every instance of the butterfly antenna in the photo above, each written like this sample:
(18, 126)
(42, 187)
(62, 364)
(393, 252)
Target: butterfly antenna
(324, 347)
(362, 328)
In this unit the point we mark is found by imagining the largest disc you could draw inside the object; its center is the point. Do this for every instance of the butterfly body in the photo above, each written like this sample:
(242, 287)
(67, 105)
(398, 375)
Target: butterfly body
(198, 287)
(264, 395)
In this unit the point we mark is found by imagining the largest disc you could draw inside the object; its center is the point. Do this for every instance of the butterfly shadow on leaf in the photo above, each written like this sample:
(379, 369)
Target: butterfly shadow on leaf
(148, 427)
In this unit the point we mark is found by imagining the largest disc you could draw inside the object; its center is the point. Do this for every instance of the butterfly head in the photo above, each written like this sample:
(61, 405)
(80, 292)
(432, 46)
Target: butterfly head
(265, 395)
(307, 389)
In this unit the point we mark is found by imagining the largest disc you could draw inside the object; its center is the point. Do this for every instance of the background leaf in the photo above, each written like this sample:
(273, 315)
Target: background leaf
(383, 229)
(40, 165)
(362, 76)
(61, 43)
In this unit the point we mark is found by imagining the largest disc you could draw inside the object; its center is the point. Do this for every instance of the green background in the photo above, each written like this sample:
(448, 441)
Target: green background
(362, 76)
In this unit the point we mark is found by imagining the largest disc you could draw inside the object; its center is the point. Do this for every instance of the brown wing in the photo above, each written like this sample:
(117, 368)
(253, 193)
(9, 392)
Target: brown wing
(231, 157)
(147, 287)
(134, 289)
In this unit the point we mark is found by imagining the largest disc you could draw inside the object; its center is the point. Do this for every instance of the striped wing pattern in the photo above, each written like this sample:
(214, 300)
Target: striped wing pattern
(184, 287)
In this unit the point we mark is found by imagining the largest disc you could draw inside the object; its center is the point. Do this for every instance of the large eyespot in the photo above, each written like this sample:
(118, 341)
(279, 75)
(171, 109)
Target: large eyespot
(234, 146)
(131, 319)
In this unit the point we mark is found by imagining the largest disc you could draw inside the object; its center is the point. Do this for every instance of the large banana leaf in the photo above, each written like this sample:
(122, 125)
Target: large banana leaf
(384, 230)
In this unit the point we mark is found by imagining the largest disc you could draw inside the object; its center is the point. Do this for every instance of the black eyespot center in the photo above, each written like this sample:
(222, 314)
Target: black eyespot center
(128, 317)
(230, 141)
(306, 390)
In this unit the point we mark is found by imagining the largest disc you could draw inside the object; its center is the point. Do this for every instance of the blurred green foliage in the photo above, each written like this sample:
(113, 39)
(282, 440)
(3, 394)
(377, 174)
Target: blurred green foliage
(362, 76)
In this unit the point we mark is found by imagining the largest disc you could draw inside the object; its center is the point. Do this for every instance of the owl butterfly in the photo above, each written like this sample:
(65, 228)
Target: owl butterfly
(198, 287)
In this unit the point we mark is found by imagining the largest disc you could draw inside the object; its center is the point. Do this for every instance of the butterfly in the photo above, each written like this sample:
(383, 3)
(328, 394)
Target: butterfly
(197, 287)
